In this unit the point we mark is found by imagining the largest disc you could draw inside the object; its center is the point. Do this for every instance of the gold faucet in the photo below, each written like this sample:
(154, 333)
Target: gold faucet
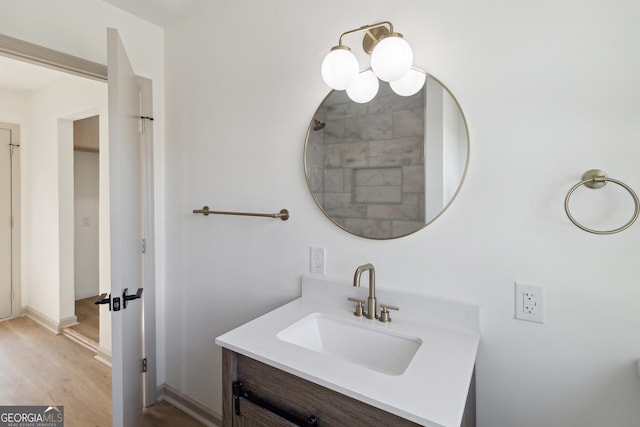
(371, 303)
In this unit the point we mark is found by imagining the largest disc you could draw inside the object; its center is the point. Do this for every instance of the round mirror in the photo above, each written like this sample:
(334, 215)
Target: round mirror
(389, 167)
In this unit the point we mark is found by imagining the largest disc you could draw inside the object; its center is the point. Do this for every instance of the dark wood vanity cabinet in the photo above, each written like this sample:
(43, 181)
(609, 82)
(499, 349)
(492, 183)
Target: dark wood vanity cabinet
(296, 398)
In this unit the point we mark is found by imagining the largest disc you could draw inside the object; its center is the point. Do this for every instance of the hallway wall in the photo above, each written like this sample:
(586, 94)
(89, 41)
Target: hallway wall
(13, 106)
(49, 154)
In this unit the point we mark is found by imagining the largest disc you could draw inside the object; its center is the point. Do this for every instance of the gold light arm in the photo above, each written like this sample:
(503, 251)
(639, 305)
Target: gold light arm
(374, 33)
(283, 214)
(367, 28)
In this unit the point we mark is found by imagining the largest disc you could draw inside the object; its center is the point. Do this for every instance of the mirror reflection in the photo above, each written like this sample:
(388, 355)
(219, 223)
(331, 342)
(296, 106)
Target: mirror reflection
(387, 168)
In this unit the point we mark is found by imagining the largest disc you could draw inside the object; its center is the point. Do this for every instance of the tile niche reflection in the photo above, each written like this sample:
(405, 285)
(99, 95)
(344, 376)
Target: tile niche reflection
(366, 166)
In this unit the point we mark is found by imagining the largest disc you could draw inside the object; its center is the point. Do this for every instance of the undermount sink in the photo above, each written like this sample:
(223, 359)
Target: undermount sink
(360, 343)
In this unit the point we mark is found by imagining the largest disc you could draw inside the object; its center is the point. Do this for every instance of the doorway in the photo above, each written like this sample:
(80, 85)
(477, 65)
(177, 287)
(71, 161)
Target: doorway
(86, 200)
(54, 298)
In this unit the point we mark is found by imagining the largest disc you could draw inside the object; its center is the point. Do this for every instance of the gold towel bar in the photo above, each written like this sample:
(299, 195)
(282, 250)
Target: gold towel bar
(283, 214)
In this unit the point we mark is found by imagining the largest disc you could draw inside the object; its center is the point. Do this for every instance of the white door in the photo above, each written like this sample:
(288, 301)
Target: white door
(5, 223)
(126, 234)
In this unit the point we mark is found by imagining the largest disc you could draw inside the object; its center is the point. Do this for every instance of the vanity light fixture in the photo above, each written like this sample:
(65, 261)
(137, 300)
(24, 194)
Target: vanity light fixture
(391, 61)
(410, 84)
(364, 88)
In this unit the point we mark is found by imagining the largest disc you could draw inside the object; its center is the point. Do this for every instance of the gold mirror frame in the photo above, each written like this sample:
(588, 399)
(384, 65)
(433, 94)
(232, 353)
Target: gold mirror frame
(315, 123)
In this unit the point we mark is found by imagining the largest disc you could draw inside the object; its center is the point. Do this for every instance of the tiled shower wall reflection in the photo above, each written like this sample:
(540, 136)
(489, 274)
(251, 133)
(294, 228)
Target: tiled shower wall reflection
(366, 166)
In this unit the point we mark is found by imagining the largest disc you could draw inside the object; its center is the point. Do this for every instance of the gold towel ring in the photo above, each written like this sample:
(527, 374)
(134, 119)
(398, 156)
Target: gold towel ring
(596, 178)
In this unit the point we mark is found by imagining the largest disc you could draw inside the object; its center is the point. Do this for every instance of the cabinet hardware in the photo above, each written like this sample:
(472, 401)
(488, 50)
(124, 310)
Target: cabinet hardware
(240, 392)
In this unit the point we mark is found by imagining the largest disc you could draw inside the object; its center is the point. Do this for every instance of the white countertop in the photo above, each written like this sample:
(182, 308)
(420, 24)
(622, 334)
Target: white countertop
(433, 389)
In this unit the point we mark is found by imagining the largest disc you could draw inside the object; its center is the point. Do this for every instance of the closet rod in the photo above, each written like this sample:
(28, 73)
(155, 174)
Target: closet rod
(283, 214)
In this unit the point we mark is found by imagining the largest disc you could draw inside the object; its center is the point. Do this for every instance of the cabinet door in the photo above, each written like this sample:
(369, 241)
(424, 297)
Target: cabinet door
(256, 416)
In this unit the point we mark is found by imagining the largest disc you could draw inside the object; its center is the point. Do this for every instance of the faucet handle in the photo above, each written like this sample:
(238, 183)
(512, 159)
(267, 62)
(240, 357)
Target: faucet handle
(384, 314)
(359, 308)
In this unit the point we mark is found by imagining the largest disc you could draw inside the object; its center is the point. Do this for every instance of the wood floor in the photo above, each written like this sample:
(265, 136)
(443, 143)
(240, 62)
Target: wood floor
(40, 368)
(88, 315)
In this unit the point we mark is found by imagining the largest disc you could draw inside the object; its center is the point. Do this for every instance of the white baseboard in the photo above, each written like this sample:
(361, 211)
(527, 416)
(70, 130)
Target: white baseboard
(189, 405)
(67, 322)
(103, 356)
(42, 319)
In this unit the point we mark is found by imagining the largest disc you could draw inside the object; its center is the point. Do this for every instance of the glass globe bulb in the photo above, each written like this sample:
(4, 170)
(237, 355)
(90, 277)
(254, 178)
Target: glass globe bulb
(340, 68)
(410, 83)
(365, 88)
(392, 58)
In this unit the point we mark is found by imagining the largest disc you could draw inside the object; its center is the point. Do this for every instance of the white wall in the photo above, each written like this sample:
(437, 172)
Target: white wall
(86, 215)
(13, 106)
(79, 27)
(549, 89)
(49, 154)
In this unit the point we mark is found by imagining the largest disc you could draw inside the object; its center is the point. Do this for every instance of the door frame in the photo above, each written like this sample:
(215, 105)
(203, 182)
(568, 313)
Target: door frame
(150, 389)
(43, 56)
(14, 160)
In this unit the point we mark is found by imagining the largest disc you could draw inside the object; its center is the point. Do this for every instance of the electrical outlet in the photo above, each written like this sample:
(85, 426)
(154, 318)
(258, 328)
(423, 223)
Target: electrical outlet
(529, 304)
(318, 260)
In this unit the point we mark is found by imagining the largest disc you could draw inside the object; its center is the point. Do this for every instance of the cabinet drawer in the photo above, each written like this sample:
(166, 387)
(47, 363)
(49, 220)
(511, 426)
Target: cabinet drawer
(297, 397)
